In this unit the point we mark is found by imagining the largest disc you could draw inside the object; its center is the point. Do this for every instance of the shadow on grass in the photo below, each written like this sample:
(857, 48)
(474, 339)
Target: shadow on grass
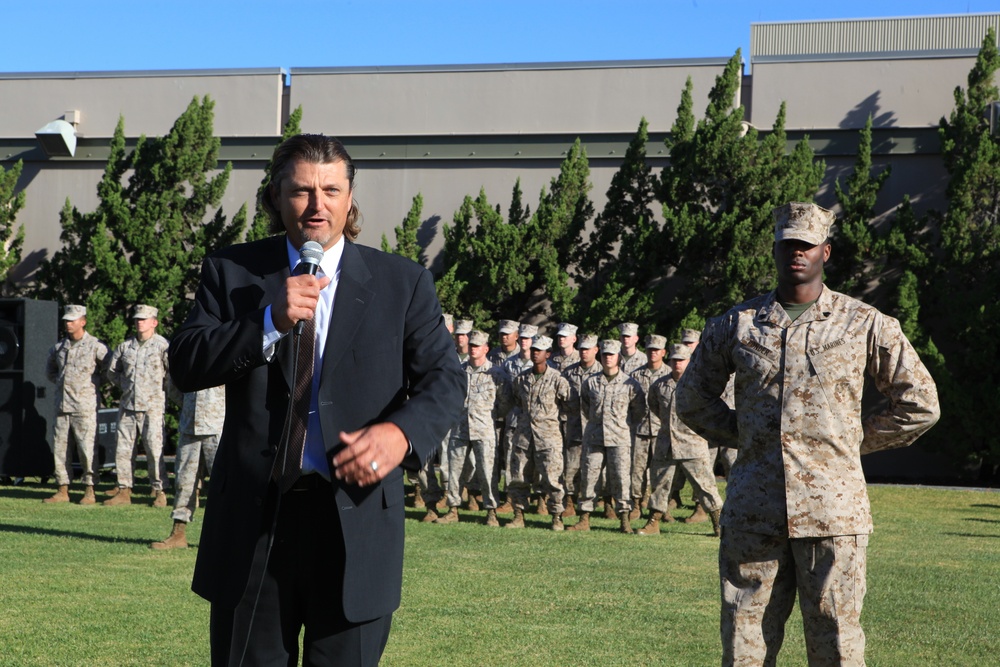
(34, 530)
(982, 520)
(995, 537)
(986, 506)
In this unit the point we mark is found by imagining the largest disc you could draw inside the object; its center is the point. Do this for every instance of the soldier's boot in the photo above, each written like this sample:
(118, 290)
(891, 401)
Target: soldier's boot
(716, 529)
(431, 515)
(473, 503)
(636, 509)
(442, 504)
(557, 523)
(583, 523)
(652, 526)
(123, 497)
(177, 539)
(88, 496)
(418, 497)
(160, 500)
(543, 504)
(60, 496)
(450, 517)
(625, 526)
(699, 516)
(491, 519)
(609, 508)
(672, 504)
(506, 508)
(667, 517)
(570, 508)
(518, 521)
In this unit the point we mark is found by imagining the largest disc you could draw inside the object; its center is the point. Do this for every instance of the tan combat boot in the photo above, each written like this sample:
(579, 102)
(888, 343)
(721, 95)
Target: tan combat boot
(418, 497)
(177, 539)
(518, 521)
(570, 508)
(636, 509)
(557, 523)
(625, 526)
(583, 523)
(652, 526)
(609, 508)
(543, 505)
(473, 503)
(716, 529)
(699, 516)
(112, 492)
(160, 499)
(123, 497)
(506, 508)
(88, 496)
(450, 517)
(431, 516)
(60, 496)
(491, 519)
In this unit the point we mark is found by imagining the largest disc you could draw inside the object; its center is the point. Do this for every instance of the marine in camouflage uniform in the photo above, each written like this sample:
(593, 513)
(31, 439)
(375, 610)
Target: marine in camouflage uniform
(575, 419)
(677, 447)
(487, 398)
(498, 356)
(649, 425)
(202, 416)
(74, 366)
(468, 478)
(797, 517)
(542, 394)
(139, 367)
(725, 455)
(631, 358)
(614, 403)
(427, 491)
(564, 355)
(514, 366)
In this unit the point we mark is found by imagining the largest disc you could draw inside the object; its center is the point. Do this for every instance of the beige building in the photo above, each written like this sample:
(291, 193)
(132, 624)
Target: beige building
(446, 132)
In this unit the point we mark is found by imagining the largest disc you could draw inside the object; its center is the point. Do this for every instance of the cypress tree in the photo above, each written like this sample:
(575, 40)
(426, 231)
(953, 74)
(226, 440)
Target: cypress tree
(11, 234)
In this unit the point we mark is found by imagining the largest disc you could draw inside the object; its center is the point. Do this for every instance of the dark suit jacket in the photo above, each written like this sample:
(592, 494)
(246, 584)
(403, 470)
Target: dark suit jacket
(388, 357)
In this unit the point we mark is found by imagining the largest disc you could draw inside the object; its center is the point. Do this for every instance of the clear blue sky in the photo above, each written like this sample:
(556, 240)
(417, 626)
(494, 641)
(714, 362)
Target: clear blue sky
(182, 34)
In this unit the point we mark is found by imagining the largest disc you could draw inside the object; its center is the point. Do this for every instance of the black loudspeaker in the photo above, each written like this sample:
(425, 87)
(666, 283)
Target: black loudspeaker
(28, 329)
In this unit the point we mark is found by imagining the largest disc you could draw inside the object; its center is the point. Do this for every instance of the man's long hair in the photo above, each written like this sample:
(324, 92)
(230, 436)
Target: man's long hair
(317, 149)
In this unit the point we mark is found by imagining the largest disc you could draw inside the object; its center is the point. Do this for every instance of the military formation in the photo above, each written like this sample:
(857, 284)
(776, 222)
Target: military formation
(566, 424)
(78, 365)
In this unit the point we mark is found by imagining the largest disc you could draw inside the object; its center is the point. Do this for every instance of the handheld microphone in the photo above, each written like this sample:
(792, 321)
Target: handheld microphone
(310, 255)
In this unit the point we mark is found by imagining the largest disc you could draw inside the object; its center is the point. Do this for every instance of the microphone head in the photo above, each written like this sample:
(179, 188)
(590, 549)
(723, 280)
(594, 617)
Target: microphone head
(311, 253)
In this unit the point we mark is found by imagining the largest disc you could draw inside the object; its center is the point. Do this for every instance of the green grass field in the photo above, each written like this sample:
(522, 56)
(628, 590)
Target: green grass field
(79, 586)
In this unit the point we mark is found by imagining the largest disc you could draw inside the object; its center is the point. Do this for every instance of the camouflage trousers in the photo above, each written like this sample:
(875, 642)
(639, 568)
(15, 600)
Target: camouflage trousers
(542, 467)
(642, 452)
(195, 458)
(663, 480)
(572, 456)
(760, 576)
(83, 427)
(475, 456)
(618, 476)
(428, 481)
(149, 427)
(726, 456)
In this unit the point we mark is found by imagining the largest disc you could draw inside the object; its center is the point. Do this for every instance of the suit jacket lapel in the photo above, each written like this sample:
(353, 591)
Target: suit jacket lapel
(349, 307)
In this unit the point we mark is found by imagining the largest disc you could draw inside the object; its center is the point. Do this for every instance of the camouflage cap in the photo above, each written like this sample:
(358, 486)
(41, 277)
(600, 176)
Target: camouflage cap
(802, 222)
(541, 343)
(74, 312)
(654, 342)
(527, 331)
(463, 326)
(144, 312)
(507, 326)
(586, 341)
(611, 347)
(679, 351)
(629, 329)
(690, 336)
(566, 329)
(449, 321)
(477, 337)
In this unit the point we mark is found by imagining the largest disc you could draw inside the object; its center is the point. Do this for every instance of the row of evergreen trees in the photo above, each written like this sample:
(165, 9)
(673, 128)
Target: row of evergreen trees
(710, 246)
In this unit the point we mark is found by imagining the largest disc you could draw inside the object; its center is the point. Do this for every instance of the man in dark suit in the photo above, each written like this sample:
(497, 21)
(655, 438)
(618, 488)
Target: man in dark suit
(307, 530)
